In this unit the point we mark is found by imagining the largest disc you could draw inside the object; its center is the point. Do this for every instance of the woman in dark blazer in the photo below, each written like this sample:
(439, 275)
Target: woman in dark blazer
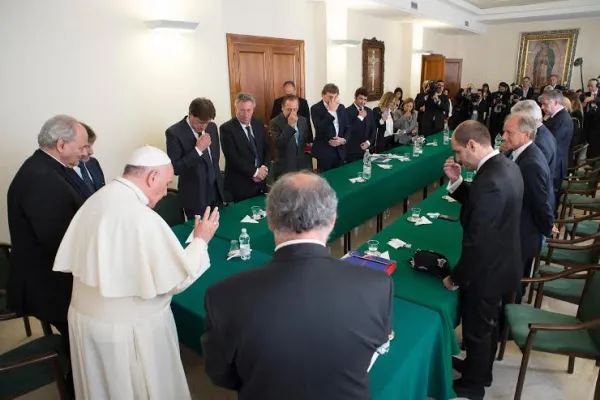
(384, 124)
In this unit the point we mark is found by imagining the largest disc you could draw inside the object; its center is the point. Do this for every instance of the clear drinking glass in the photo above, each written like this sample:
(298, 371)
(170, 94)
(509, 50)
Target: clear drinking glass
(469, 176)
(256, 213)
(234, 246)
(373, 244)
(415, 213)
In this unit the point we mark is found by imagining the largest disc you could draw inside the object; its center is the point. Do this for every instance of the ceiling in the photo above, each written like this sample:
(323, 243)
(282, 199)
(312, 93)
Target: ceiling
(486, 4)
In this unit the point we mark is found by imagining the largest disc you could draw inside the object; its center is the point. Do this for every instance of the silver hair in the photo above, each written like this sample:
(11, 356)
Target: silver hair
(529, 107)
(526, 124)
(60, 127)
(554, 95)
(301, 205)
(242, 97)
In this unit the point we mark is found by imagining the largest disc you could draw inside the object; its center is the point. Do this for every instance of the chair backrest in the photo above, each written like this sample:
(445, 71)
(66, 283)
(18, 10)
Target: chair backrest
(4, 264)
(589, 308)
(169, 208)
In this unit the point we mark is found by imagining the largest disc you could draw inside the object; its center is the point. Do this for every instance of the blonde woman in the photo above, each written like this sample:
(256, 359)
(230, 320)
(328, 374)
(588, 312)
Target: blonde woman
(384, 136)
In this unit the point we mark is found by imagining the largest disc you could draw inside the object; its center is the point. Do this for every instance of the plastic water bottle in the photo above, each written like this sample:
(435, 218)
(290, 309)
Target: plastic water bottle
(367, 166)
(244, 245)
(446, 133)
(498, 142)
(475, 115)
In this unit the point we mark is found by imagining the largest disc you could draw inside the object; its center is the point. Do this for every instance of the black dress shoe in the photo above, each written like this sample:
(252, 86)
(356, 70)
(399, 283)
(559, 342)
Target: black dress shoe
(467, 392)
(458, 366)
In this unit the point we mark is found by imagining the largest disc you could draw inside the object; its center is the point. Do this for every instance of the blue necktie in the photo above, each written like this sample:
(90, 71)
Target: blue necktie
(87, 179)
(296, 135)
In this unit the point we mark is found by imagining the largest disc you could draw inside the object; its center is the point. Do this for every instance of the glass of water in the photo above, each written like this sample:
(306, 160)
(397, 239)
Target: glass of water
(373, 244)
(234, 247)
(469, 176)
(415, 213)
(256, 213)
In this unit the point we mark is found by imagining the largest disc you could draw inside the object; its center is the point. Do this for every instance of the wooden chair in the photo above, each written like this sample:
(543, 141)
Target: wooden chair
(583, 226)
(33, 365)
(4, 269)
(580, 190)
(169, 208)
(535, 329)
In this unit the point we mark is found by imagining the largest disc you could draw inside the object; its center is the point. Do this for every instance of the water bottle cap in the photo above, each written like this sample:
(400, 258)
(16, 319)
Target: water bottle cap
(243, 230)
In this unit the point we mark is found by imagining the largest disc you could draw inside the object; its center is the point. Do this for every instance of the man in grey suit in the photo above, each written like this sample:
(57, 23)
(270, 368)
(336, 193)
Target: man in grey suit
(290, 132)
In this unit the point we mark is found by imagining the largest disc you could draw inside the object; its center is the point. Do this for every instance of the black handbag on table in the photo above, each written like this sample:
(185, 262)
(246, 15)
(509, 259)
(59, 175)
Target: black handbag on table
(431, 262)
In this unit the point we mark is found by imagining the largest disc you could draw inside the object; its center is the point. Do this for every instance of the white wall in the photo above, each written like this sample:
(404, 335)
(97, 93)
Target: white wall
(361, 26)
(492, 57)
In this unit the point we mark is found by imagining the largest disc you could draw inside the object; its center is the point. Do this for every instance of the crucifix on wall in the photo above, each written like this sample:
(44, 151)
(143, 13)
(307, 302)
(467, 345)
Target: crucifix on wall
(373, 63)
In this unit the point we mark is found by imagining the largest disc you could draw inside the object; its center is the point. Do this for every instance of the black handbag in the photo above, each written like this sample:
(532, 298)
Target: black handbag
(430, 262)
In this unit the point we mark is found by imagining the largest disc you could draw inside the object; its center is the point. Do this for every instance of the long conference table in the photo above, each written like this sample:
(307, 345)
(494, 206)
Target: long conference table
(418, 364)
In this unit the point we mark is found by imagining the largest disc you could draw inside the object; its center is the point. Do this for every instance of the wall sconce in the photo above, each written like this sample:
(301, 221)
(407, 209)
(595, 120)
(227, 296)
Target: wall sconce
(423, 52)
(164, 24)
(346, 42)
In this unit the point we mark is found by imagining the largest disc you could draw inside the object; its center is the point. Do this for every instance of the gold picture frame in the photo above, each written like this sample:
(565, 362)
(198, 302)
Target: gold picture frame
(546, 53)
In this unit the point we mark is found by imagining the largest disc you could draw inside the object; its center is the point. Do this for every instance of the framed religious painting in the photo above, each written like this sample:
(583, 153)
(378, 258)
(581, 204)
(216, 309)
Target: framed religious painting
(546, 53)
(373, 52)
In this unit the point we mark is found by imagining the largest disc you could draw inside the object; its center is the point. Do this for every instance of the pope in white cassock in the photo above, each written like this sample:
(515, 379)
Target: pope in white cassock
(127, 264)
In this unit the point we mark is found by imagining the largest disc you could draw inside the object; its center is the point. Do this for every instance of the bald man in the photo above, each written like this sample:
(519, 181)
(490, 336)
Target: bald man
(126, 265)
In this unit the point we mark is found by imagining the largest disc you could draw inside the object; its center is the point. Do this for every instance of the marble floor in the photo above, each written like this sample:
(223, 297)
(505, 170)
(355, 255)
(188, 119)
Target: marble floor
(547, 377)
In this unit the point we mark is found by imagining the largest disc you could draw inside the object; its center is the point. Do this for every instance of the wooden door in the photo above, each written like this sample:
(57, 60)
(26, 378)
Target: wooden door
(432, 67)
(453, 75)
(259, 66)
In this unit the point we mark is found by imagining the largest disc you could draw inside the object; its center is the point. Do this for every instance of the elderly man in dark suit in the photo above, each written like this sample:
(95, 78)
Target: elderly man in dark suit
(489, 267)
(42, 199)
(289, 131)
(88, 173)
(289, 88)
(362, 125)
(544, 139)
(560, 124)
(246, 151)
(324, 318)
(332, 130)
(194, 149)
(537, 212)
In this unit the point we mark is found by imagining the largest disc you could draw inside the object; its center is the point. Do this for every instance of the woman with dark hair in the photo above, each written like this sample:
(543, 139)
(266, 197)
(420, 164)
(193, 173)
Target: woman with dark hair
(485, 91)
(398, 93)
(406, 118)
(498, 102)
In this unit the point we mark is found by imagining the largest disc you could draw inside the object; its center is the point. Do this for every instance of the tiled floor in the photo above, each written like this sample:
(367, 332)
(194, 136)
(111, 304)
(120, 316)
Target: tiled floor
(546, 379)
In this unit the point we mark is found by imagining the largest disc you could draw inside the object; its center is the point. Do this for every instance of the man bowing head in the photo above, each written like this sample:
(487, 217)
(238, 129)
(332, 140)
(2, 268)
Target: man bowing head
(126, 265)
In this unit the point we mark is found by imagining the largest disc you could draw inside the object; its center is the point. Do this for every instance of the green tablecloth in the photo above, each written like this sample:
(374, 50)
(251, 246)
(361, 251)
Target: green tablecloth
(358, 202)
(417, 287)
(188, 306)
(415, 367)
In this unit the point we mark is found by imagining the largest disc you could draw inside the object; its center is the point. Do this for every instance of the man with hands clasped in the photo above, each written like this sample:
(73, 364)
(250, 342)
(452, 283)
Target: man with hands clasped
(490, 265)
(362, 125)
(332, 130)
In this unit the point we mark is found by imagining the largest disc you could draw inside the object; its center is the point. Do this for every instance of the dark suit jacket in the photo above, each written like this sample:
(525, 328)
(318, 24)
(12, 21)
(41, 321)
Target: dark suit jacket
(42, 199)
(303, 110)
(361, 130)
(381, 142)
(537, 213)
(490, 263)
(239, 158)
(561, 127)
(531, 95)
(200, 182)
(289, 156)
(544, 139)
(325, 130)
(96, 174)
(432, 120)
(302, 327)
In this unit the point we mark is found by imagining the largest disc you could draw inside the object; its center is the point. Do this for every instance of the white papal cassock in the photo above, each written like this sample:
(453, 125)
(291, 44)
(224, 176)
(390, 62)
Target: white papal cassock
(126, 265)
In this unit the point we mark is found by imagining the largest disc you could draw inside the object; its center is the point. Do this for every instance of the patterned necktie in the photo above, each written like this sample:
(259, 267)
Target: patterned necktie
(296, 135)
(87, 179)
(252, 141)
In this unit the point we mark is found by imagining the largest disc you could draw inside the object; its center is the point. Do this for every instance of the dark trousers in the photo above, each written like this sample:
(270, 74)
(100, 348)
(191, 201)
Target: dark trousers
(63, 328)
(190, 213)
(354, 157)
(326, 164)
(479, 317)
(527, 266)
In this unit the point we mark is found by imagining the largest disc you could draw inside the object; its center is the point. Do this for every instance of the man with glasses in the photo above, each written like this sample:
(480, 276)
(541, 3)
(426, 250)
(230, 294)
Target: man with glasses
(194, 149)
(290, 131)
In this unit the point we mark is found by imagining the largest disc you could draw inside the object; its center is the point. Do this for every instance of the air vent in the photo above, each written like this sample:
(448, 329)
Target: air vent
(467, 24)
(414, 5)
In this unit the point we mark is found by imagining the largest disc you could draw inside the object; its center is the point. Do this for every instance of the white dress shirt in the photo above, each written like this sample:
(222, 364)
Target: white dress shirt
(453, 186)
(298, 241)
(197, 135)
(336, 123)
(389, 125)
(517, 152)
